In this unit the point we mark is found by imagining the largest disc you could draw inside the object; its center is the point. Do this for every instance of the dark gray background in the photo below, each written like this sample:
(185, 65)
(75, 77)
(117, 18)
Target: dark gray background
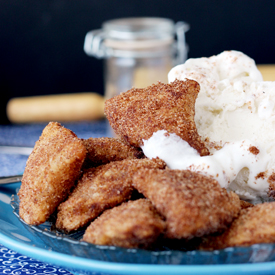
(41, 47)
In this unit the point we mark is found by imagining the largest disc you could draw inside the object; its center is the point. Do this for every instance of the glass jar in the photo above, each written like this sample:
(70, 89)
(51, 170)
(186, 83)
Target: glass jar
(137, 51)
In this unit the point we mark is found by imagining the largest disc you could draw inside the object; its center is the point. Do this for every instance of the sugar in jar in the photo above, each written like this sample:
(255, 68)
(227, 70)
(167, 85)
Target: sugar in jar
(137, 51)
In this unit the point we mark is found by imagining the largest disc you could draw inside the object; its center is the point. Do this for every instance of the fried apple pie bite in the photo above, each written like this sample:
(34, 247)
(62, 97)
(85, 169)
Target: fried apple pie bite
(133, 224)
(245, 204)
(51, 171)
(138, 113)
(104, 150)
(254, 225)
(193, 204)
(100, 188)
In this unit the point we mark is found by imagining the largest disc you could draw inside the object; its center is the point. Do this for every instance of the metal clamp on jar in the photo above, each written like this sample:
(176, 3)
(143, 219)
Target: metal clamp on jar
(137, 51)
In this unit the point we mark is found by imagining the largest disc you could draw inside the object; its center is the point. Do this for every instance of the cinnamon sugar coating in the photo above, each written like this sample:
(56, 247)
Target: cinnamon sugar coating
(104, 150)
(138, 113)
(193, 204)
(134, 224)
(51, 171)
(100, 188)
(254, 225)
(245, 204)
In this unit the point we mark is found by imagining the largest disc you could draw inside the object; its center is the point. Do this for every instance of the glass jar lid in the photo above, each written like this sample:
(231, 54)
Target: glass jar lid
(135, 37)
(143, 28)
(138, 33)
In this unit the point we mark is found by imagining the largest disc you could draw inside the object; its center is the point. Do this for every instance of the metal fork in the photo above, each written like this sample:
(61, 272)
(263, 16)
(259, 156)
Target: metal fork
(17, 150)
(10, 179)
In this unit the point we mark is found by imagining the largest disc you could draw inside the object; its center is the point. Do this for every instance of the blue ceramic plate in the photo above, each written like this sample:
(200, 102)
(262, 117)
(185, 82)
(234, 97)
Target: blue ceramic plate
(67, 251)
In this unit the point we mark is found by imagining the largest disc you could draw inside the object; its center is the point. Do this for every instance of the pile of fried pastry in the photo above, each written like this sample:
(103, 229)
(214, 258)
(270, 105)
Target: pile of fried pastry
(107, 186)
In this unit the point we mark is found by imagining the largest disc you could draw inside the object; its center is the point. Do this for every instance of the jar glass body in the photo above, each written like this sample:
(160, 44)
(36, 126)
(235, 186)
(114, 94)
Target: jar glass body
(137, 52)
(123, 73)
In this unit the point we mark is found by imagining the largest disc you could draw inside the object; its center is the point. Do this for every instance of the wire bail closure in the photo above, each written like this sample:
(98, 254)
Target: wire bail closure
(114, 41)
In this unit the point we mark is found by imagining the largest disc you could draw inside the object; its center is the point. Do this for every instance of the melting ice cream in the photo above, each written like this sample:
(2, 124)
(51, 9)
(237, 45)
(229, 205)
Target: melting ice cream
(224, 165)
(235, 111)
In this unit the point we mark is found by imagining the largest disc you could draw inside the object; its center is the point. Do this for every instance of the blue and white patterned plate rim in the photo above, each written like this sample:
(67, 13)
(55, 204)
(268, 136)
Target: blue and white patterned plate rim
(88, 265)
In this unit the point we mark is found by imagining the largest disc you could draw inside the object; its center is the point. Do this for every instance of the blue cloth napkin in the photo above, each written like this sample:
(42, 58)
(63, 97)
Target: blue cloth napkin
(14, 263)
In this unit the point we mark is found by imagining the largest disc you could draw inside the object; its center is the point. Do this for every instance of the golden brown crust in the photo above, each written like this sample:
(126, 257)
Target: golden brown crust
(50, 173)
(135, 115)
(104, 150)
(245, 204)
(254, 225)
(271, 181)
(192, 204)
(134, 224)
(100, 188)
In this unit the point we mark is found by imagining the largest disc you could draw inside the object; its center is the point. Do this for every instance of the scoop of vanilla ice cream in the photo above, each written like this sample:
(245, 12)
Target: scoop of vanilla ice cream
(234, 104)
(231, 91)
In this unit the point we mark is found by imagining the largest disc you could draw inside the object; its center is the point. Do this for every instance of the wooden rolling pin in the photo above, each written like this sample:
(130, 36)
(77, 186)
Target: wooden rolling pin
(268, 71)
(74, 107)
(64, 107)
